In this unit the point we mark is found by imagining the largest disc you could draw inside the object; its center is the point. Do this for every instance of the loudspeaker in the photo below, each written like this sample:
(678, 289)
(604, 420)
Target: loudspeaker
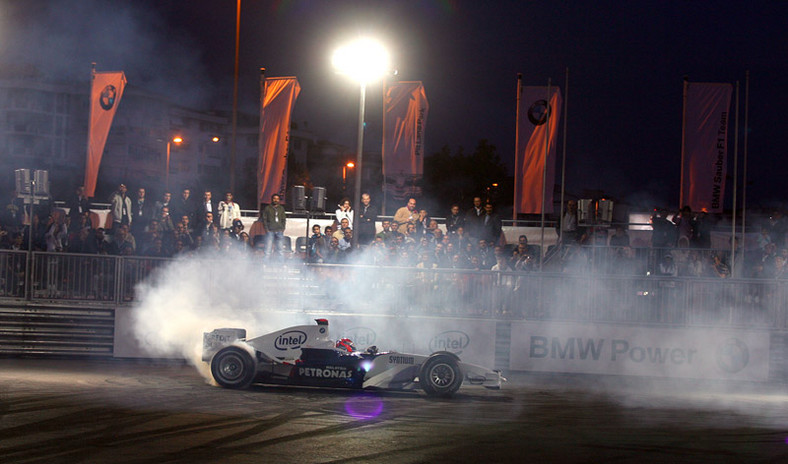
(22, 177)
(42, 182)
(298, 202)
(319, 199)
(605, 210)
(586, 211)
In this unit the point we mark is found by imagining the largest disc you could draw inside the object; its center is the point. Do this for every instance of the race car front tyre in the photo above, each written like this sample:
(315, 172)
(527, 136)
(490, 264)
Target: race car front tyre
(233, 367)
(440, 375)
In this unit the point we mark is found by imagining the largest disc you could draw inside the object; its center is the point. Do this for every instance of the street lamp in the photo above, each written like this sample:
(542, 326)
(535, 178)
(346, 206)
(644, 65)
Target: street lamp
(364, 61)
(348, 165)
(176, 140)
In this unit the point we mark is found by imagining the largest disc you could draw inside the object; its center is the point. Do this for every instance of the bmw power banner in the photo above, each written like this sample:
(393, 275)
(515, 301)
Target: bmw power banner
(643, 351)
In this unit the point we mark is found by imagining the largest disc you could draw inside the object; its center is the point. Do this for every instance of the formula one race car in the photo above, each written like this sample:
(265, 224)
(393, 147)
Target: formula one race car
(306, 356)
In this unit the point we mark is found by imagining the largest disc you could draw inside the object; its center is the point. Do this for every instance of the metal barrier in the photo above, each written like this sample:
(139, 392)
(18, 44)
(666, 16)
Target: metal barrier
(73, 277)
(134, 270)
(13, 274)
(556, 296)
(627, 260)
(571, 296)
(56, 330)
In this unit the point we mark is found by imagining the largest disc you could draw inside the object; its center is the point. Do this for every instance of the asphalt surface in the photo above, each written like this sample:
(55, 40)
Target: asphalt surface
(78, 411)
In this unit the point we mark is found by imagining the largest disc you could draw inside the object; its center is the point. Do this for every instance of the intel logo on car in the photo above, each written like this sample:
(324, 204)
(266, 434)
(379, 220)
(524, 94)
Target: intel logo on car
(291, 340)
(452, 340)
(361, 336)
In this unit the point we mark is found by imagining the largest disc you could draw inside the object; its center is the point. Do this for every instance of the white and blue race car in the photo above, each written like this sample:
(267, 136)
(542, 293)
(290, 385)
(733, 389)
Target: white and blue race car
(306, 356)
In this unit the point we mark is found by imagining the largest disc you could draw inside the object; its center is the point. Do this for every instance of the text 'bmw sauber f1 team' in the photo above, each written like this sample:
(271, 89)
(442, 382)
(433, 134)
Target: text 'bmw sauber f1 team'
(306, 356)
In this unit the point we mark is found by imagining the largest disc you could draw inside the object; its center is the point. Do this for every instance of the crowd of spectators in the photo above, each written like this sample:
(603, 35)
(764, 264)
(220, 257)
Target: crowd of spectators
(681, 246)
(412, 238)
(134, 226)
(466, 239)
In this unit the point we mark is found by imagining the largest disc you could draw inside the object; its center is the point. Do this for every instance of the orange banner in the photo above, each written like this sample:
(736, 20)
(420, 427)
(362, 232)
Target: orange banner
(537, 127)
(405, 116)
(105, 93)
(279, 96)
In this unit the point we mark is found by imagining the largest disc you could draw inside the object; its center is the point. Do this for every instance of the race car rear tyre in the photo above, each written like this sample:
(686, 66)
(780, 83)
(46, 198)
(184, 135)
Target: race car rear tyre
(233, 367)
(440, 375)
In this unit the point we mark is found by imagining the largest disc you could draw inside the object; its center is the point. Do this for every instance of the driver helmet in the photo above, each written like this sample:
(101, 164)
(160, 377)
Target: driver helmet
(346, 344)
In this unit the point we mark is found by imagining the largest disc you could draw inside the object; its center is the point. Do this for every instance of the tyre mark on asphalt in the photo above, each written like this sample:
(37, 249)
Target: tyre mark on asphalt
(107, 434)
(212, 424)
(389, 453)
(398, 422)
(104, 430)
(229, 450)
(26, 405)
(80, 418)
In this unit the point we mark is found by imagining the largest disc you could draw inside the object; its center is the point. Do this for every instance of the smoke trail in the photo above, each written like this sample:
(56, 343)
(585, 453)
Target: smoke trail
(189, 296)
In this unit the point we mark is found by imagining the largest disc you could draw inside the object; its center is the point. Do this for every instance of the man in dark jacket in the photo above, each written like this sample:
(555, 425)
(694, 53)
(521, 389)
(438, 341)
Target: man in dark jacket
(367, 217)
(183, 206)
(142, 211)
(490, 227)
(77, 204)
(207, 205)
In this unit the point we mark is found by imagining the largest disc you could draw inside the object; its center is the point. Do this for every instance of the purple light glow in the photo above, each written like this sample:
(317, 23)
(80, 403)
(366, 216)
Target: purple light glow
(364, 407)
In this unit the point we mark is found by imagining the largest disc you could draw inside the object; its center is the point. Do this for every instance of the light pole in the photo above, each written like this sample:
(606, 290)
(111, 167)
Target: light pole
(176, 140)
(364, 61)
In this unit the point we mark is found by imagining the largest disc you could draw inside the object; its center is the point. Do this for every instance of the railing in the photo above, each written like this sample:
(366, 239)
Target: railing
(561, 297)
(584, 296)
(13, 271)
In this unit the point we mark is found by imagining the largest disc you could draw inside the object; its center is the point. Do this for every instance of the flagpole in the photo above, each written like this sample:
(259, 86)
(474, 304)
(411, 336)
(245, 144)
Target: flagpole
(517, 181)
(235, 97)
(744, 174)
(90, 121)
(735, 182)
(544, 163)
(260, 141)
(383, 154)
(683, 139)
(359, 159)
(563, 160)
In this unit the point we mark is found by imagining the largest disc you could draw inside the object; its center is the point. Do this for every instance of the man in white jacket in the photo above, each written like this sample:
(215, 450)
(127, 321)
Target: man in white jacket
(121, 208)
(228, 211)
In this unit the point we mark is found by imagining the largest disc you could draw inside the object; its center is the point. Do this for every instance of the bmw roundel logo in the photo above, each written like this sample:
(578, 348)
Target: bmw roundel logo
(538, 112)
(107, 99)
(733, 355)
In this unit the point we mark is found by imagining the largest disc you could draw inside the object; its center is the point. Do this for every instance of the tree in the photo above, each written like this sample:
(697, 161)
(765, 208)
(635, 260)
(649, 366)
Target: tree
(458, 177)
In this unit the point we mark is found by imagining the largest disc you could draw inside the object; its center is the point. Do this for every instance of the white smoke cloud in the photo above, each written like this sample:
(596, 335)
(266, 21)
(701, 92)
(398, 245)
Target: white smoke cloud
(189, 296)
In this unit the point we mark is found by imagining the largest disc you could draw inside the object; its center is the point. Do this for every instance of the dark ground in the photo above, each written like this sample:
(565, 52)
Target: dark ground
(78, 411)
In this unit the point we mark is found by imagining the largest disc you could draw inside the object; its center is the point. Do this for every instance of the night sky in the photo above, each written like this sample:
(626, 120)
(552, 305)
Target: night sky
(626, 62)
